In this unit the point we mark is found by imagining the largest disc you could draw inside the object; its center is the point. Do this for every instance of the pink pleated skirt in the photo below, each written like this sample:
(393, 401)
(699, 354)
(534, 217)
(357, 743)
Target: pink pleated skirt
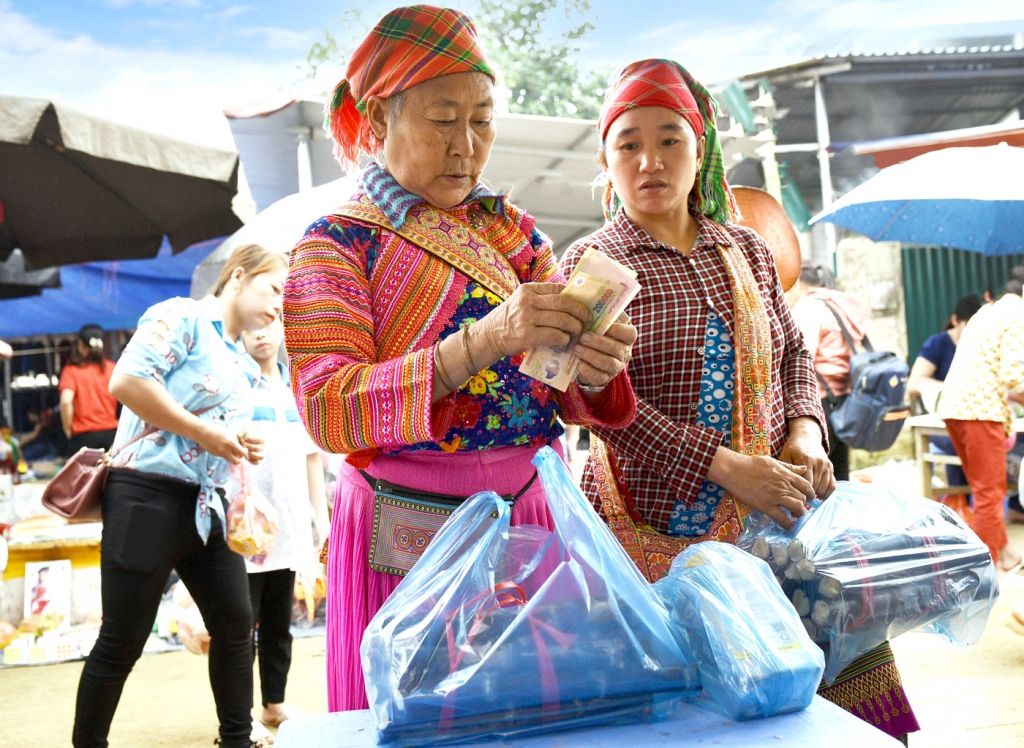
(354, 591)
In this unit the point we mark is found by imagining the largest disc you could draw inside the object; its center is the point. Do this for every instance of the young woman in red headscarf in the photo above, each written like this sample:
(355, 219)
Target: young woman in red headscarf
(728, 414)
(407, 310)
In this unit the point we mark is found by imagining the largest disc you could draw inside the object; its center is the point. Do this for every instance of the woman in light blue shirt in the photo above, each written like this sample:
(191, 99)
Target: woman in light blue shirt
(185, 372)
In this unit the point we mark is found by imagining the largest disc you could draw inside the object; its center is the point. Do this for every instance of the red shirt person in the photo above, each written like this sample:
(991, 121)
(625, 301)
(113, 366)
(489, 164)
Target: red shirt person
(88, 411)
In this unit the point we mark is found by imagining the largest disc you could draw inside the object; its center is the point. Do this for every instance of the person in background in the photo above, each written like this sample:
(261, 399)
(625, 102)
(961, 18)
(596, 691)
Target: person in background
(46, 437)
(88, 411)
(185, 372)
(929, 372)
(936, 355)
(291, 477)
(987, 373)
(812, 305)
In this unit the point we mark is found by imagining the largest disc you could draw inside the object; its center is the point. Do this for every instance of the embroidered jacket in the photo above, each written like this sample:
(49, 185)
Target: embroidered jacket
(665, 454)
(363, 309)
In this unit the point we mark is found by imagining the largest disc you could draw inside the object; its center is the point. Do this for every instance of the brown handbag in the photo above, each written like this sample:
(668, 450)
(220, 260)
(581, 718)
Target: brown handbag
(76, 491)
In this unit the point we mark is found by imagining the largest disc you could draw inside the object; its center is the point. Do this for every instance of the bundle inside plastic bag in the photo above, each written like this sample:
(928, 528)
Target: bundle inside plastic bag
(755, 658)
(252, 519)
(866, 566)
(503, 631)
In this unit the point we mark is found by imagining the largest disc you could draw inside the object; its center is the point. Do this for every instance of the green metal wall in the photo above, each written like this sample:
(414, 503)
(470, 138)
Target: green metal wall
(935, 278)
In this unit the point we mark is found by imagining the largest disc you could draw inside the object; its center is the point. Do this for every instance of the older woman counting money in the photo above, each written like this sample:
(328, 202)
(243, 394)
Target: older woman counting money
(407, 312)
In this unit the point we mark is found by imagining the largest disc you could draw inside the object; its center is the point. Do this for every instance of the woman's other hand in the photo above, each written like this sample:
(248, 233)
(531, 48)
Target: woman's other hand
(603, 357)
(536, 314)
(220, 442)
(766, 484)
(253, 446)
(804, 448)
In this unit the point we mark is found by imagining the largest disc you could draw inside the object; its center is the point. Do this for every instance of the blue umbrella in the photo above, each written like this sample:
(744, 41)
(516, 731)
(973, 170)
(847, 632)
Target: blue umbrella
(967, 198)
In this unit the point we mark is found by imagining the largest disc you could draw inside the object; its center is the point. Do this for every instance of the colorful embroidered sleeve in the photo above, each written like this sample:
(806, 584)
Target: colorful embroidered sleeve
(350, 401)
(616, 408)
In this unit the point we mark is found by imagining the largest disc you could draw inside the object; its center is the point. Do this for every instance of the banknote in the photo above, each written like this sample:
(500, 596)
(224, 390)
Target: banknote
(605, 287)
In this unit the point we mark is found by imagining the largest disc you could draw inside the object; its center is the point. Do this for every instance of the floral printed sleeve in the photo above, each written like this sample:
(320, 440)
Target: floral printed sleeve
(163, 340)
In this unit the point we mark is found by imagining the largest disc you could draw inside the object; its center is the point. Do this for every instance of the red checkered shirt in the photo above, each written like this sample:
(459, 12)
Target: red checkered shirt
(665, 455)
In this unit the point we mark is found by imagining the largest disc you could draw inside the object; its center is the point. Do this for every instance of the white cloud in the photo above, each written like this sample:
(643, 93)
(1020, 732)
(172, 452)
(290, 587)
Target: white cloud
(178, 93)
(234, 11)
(151, 3)
(278, 38)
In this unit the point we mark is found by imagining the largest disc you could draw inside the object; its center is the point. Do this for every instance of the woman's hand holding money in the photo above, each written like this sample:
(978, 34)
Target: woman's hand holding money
(603, 357)
(535, 314)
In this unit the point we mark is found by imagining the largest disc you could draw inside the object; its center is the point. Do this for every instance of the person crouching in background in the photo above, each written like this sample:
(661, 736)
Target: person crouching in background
(291, 477)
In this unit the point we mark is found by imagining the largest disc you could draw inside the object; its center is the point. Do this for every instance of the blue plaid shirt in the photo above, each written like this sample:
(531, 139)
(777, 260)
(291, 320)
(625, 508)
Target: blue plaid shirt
(180, 344)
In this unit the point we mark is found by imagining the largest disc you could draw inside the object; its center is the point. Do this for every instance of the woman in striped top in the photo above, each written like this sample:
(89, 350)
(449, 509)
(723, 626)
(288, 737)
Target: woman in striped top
(406, 314)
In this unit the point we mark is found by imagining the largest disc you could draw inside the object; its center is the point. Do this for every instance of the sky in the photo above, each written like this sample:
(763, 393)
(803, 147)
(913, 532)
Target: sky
(173, 65)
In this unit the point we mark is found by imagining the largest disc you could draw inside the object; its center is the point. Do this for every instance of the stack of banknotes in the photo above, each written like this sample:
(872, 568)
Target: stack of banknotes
(605, 287)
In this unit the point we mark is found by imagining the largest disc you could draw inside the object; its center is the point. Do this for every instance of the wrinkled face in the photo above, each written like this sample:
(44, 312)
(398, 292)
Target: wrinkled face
(652, 156)
(259, 299)
(263, 344)
(439, 141)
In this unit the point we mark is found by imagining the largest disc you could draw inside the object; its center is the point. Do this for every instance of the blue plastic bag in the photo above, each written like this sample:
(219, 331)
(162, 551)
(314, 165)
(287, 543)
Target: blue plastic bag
(865, 566)
(755, 658)
(503, 631)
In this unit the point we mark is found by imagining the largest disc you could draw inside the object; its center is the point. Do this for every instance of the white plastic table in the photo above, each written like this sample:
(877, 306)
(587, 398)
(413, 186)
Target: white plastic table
(692, 724)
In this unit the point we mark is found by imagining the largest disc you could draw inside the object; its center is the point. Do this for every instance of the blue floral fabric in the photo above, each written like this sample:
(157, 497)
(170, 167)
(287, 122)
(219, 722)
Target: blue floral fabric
(180, 344)
(714, 412)
(499, 407)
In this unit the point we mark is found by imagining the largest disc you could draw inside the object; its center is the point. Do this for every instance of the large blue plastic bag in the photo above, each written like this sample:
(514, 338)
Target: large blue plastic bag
(503, 631)
(755, 658)
(865, 566)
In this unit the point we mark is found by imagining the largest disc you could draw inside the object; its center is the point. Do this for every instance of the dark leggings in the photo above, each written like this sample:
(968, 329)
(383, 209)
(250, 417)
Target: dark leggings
(273, 597)
(838, 452)
(91, 439)
(148, 530)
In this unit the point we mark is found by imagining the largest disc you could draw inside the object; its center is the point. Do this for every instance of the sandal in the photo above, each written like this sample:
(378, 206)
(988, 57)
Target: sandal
(260, 737)
(288, 710)
(1013, 567)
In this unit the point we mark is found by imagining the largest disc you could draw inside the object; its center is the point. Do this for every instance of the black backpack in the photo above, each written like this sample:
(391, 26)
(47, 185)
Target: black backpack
(872, 415)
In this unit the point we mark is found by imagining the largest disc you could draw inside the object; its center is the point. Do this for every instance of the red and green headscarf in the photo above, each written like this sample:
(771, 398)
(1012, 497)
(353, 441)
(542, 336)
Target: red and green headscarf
(666, 83)
(408, 46)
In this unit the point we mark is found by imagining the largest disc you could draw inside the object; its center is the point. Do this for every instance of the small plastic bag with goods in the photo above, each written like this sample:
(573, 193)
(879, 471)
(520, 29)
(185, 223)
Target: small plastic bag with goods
(866, 565)
(502, 631)
(252, 520)
(755, 658)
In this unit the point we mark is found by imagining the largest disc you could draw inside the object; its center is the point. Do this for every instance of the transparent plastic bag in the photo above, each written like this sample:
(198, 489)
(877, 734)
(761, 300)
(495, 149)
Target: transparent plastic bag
(755, 658)
(503, 631)
(866, 565)
(252, 520)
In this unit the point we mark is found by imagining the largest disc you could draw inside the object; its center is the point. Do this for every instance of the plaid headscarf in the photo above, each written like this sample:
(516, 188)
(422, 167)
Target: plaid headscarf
(666, 83)
(407, 46)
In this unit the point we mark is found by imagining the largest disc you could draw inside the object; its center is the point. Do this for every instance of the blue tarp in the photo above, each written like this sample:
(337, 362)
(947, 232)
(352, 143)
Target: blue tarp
(112, 295)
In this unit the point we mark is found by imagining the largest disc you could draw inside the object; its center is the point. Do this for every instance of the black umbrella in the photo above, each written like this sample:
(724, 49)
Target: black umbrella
(16, 282)
(76, 188)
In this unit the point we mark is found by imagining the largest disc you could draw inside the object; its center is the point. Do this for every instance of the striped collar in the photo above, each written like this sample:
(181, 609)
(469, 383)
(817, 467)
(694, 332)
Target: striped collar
(388, 195)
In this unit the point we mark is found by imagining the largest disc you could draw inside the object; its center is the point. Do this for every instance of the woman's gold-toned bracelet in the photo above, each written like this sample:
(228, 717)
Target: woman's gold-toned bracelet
(445, 379)
(470, 366)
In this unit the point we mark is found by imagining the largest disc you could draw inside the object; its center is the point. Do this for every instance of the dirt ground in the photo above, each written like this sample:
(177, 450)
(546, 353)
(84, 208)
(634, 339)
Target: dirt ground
(962, 699)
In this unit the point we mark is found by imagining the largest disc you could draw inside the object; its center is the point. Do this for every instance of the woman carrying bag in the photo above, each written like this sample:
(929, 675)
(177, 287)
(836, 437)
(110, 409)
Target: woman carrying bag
(187, 373)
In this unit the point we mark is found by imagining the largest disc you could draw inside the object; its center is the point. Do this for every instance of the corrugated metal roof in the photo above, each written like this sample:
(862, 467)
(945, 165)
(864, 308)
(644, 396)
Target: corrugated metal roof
(894, 82)
(969, 38)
